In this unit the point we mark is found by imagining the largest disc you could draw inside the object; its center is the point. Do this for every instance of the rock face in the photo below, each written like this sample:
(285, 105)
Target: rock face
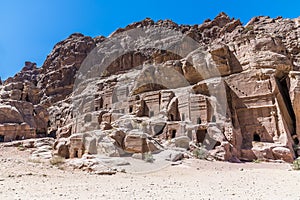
(41, 95)
(58, 71)
(236, 91)
(21, 116)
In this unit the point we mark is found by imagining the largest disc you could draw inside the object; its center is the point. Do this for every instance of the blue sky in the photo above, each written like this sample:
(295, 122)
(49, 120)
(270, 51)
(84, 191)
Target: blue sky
(29, 29)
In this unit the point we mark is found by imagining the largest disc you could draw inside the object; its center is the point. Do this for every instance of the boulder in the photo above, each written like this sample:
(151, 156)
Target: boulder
(263, 151)
(136, 142)
(247, 155)
(119, 137)
(109, 149)
(173, 156)
(283, 153)
(61, 148)
(225, 152)
(152, 147)
(182, 142)
(105, 126)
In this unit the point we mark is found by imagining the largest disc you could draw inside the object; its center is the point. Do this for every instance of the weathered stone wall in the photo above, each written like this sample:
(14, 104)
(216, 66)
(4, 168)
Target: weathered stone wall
(10, 132)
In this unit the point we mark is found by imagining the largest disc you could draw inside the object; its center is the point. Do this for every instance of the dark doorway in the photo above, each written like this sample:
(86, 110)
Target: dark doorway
(130, 109)
(213, 119)
(199, 120)
(200, 136)
(172, 117)
(173, 134)
(100, 103)
(75, 153)
(182, 117)
(27, 98)
(1, 138)
(52, 134)
(296, 140)
(256, 137)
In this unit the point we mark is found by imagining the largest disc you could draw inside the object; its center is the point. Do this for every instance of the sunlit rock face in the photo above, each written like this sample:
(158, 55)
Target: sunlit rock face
(236, 90)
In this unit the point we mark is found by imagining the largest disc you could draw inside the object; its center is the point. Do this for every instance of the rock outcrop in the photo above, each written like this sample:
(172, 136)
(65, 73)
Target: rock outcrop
(58, 72)
(230, 87)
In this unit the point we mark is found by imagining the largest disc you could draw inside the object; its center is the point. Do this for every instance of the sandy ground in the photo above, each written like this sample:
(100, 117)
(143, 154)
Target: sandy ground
(20, 178)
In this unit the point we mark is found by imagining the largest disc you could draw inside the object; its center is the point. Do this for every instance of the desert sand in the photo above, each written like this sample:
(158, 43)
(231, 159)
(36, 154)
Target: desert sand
(21, 178)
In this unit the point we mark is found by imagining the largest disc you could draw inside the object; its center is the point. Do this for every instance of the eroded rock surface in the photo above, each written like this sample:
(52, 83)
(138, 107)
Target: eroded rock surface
(236, 92)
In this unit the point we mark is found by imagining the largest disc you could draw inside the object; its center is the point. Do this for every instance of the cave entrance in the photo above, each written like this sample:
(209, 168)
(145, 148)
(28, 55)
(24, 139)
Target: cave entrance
(130, 109)
(75, 153)
(1, 138)
(27, 98)
(52, 134)
(200, 136)
(173, 134)
(172, 117)
(101, 103)
(256, 137)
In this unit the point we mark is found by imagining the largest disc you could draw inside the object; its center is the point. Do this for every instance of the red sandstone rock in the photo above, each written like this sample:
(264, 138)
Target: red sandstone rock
(259, 68)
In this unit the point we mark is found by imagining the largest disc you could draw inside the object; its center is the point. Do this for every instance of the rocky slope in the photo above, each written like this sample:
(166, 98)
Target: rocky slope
(153, 85)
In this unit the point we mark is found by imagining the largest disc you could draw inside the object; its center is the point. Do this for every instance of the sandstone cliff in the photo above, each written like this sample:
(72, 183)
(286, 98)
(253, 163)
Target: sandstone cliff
(231, 87)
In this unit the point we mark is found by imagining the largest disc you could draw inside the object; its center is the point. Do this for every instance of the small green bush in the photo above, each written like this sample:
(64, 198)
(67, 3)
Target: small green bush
(105, 73)
(248, 28)
(200, 152)
(148, 157)
(296, 164)
(257, 161)
(21, 148)
(57, 160)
